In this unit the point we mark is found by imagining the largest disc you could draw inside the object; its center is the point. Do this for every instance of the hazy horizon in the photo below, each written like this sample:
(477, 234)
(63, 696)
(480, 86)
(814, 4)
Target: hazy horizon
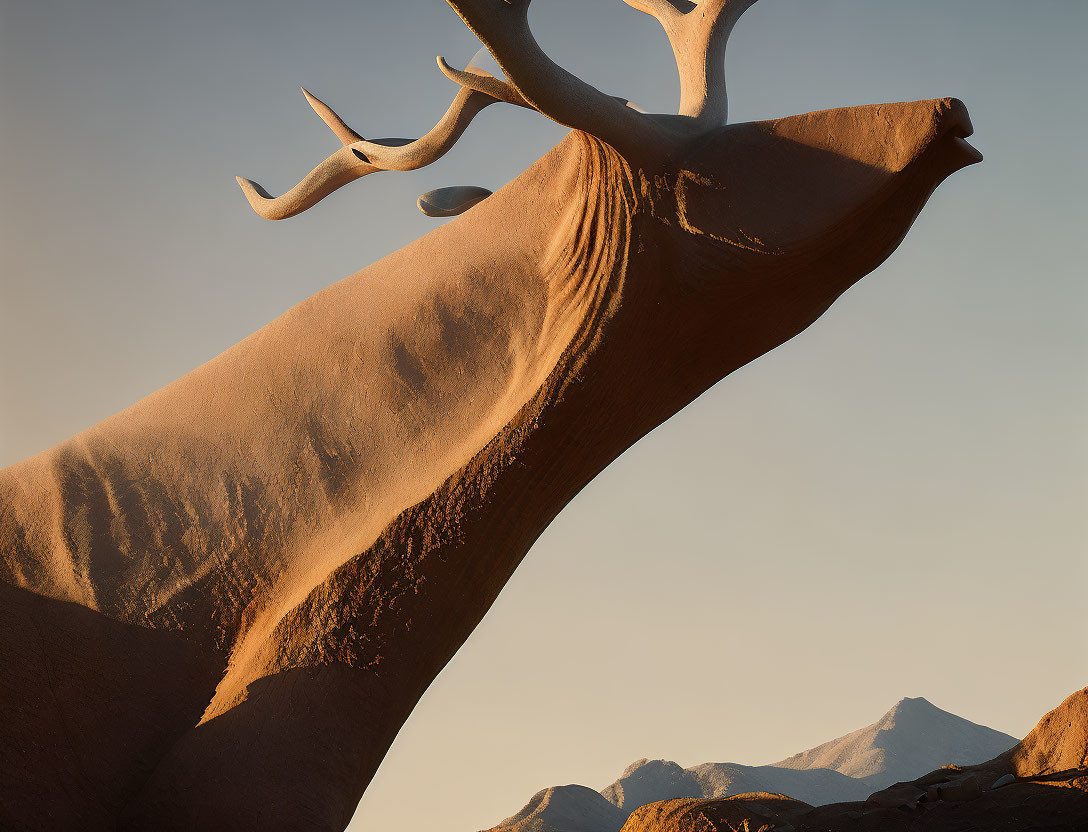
(890, 505)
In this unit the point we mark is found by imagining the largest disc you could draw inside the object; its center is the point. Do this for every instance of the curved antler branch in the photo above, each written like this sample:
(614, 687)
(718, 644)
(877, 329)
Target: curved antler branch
(662, 9)
(360, 157)
(336, 171)
(503, 26)
(698, 33)
(483, 81)
(344, 133)
(533, 80)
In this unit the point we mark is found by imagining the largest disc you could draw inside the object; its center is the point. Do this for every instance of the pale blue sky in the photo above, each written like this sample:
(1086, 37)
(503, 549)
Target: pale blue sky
(890, 505)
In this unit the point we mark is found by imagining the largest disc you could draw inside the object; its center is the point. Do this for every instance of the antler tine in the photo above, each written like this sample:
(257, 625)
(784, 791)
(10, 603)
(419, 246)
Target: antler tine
(698, 33)
(480, 80)
(533, 80)
(344, 133)
(359, 157)
(337, 170)
(408, 154)
(503, 26)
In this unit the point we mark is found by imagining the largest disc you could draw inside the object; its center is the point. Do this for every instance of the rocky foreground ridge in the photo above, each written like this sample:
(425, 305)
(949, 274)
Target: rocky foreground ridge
(1038, 785)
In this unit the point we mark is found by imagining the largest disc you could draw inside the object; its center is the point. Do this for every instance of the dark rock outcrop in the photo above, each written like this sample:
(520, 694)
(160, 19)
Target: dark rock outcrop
(759, 810)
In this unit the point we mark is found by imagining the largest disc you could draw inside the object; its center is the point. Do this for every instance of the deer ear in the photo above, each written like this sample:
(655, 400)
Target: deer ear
(450, 202)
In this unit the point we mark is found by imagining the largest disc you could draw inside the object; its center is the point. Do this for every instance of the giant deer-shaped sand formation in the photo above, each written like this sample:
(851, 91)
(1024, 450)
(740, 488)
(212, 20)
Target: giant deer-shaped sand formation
(220, 605)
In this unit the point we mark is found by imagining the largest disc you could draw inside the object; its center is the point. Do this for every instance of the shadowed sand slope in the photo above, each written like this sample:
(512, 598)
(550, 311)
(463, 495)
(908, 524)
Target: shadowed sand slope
(95, 723)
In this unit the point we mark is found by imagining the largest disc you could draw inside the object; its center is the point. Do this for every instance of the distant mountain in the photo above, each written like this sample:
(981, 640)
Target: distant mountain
(1039, 785)
(813, 786)
(911, 739)
(566, 809)
(648, 781)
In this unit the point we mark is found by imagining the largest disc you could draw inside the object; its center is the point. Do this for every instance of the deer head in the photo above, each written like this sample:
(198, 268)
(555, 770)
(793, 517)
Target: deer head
(741, 235)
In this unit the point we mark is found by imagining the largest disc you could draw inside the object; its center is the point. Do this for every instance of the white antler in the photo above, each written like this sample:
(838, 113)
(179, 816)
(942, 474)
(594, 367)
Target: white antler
(358, 156)
(344, 133)
(698, 33)
(545, 86)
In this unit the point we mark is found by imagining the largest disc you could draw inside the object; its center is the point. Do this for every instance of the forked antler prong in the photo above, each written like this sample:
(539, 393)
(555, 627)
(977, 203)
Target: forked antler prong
(532, 80)
(476, 78)
(698, 33)
(344, 133)
(359, 157)
(503, 26)
(480, 80)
